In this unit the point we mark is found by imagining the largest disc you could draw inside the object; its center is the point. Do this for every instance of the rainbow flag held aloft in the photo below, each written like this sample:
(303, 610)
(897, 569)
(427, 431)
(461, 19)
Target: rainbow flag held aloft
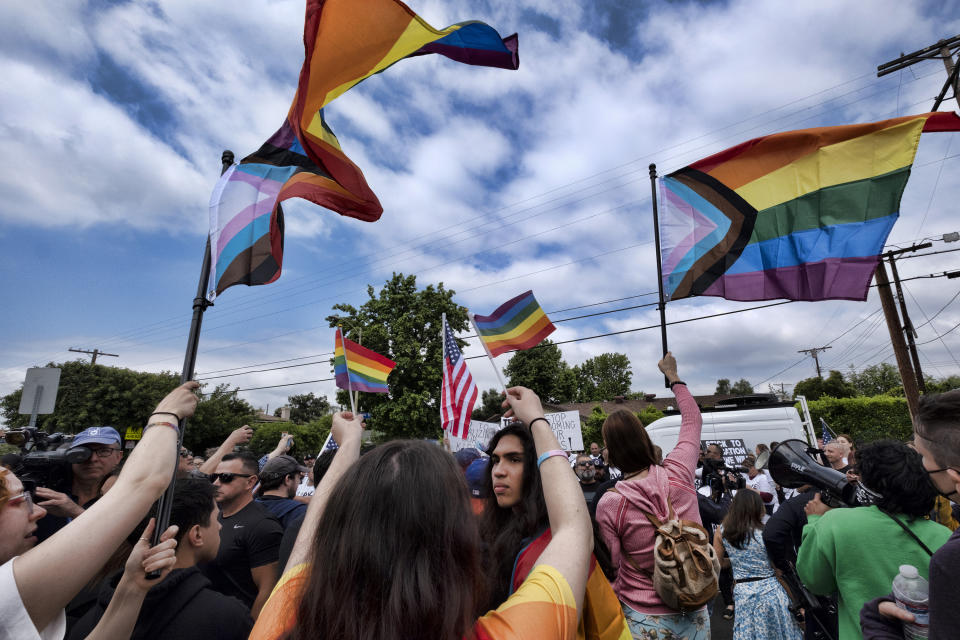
(345, 41)
(801, 215)
(358, 368)
(517, 324)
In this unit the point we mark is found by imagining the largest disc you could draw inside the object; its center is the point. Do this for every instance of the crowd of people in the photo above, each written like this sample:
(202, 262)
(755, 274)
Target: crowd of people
(523, 540)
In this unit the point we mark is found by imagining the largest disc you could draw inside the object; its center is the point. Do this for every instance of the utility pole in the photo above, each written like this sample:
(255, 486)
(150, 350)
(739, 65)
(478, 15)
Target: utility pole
(813, 352)
(94, 353)
(907, 376)
(944, 50)
(907, 328)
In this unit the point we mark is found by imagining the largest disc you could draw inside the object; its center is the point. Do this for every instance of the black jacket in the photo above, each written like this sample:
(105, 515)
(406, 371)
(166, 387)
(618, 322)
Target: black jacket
(183, 606)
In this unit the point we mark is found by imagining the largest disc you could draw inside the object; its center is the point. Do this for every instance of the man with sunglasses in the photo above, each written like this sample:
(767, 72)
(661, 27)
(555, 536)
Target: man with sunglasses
(937, 439)
(246, 564)
(65, 503)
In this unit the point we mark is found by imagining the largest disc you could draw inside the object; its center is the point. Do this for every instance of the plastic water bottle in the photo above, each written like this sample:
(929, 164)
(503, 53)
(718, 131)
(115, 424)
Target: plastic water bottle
(912, 594)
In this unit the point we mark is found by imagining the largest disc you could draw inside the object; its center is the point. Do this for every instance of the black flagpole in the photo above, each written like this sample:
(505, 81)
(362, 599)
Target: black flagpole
(200, 304)
(656, 241)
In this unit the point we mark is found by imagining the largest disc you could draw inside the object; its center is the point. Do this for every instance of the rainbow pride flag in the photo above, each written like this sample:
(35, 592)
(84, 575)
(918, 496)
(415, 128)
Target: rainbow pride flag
(801, 215)
(345, 41)
(517, 324)
(358, 368)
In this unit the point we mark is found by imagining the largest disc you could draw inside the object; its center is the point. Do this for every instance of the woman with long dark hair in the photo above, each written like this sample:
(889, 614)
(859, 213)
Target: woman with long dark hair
(379, 557)
(515, 529)
(663, 491)
(762, 606)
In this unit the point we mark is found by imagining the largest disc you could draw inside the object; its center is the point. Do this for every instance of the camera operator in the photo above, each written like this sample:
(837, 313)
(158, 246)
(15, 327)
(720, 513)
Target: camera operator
(721, 483)
(82, 488)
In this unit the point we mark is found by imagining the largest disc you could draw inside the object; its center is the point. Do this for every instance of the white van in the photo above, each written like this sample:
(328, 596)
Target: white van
(738, 419)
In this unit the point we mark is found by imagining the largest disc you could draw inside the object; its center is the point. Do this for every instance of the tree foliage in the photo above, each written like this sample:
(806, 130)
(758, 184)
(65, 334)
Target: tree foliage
(741, 387)
(307, 407)
(544, 370)
(649, 414)
(307, 437)
(833, 385)
(723, 386)
(591, 427)
(489, 408)
(875, 380)
(98, 395)
(865, 418)
(940, 385)
(403, 323)
(603, 377)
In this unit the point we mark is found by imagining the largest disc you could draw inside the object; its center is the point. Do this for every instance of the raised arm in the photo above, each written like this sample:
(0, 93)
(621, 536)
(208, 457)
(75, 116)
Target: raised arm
(571, 532)
(52, 573)
(346, 432)
(237, 436)
(691, 422)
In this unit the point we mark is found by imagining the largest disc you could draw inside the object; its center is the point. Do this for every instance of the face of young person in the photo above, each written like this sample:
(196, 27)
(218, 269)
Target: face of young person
(17, 522)
(211, 535)
(842, 440)
(833, 453)
(945, 481)
(507, 471)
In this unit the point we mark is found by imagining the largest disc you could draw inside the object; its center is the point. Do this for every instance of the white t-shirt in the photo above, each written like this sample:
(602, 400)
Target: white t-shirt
(15, 623)
(305, 488)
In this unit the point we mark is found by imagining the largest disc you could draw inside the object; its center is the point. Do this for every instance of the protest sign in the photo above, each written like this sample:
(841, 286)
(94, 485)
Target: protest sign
(565, 425)
(734, 451)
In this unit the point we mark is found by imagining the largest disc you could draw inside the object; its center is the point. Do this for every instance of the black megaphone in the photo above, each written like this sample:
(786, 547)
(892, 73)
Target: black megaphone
(792, 466)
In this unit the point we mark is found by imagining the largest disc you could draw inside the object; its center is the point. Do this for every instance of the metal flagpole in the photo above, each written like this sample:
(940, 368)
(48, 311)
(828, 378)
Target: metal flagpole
(656, 242)
(503, 385)
(200, 304)
(346, 363)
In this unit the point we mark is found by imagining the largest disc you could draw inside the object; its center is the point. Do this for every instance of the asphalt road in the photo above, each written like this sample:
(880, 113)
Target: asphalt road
(720, 629)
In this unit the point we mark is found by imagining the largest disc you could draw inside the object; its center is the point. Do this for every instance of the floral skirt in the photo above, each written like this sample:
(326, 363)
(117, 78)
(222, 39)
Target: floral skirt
(668, 626)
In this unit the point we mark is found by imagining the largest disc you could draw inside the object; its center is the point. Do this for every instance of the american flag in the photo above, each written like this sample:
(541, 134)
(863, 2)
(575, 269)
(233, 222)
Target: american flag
(458, 393)
(825, 432)
(330, 444)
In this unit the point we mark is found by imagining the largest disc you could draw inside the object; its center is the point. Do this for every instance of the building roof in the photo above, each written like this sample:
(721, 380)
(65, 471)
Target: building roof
(637, 405)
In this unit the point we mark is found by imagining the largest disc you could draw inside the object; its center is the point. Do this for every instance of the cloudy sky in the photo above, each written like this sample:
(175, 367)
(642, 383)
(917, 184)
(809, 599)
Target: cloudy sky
(492, 181)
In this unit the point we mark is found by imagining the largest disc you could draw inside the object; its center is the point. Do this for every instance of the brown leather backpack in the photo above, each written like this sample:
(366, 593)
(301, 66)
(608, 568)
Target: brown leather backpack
(685, 565)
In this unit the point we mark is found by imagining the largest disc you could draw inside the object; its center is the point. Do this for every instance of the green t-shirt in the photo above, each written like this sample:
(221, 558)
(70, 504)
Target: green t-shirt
(857, 553)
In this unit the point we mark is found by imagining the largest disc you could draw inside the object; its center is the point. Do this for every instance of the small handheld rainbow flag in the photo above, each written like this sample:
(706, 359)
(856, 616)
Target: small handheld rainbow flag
(518, 324)
(358, 368)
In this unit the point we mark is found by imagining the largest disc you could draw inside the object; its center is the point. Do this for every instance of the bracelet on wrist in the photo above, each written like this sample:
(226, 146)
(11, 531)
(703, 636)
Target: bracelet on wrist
(164, 413)
(677, 382)
(175, 427)
(530, 426)
(549, 454)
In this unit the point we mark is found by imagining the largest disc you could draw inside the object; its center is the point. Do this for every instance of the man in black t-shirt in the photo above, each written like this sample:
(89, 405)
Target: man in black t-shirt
(246, 564)
(587, 472)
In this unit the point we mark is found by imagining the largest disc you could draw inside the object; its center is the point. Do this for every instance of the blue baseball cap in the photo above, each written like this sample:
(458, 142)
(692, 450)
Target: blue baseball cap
(476, 477)
(96, 435)
(466, 456)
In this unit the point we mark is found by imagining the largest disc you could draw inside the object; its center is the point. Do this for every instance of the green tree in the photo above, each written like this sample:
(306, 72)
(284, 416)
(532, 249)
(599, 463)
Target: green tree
(603, 377)
(307, 407)
(741, 387)
(649, 414)
(833, 385)
(940, 385)
(865, 419)
(307, 438)
(403, 323)
(93, 395)
(875, 379)
(591, 427)
(723, 386)
(543, 370)
(490, 406)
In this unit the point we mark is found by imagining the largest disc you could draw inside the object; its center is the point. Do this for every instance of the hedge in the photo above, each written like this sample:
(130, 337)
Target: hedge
(865, 419)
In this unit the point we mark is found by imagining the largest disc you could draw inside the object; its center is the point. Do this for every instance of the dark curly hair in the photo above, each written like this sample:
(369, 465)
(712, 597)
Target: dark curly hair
(896, 472)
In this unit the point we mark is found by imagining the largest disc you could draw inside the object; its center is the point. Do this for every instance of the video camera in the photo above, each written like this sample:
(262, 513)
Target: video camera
(42, 463)
(717, 475)
(792, 465)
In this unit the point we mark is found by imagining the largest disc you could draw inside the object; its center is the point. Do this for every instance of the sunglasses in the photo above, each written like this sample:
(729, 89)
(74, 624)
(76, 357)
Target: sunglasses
(186, 454)
(227, 478)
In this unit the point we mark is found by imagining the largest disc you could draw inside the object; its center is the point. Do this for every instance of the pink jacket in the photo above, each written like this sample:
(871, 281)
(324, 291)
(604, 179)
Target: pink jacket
(620, 514)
